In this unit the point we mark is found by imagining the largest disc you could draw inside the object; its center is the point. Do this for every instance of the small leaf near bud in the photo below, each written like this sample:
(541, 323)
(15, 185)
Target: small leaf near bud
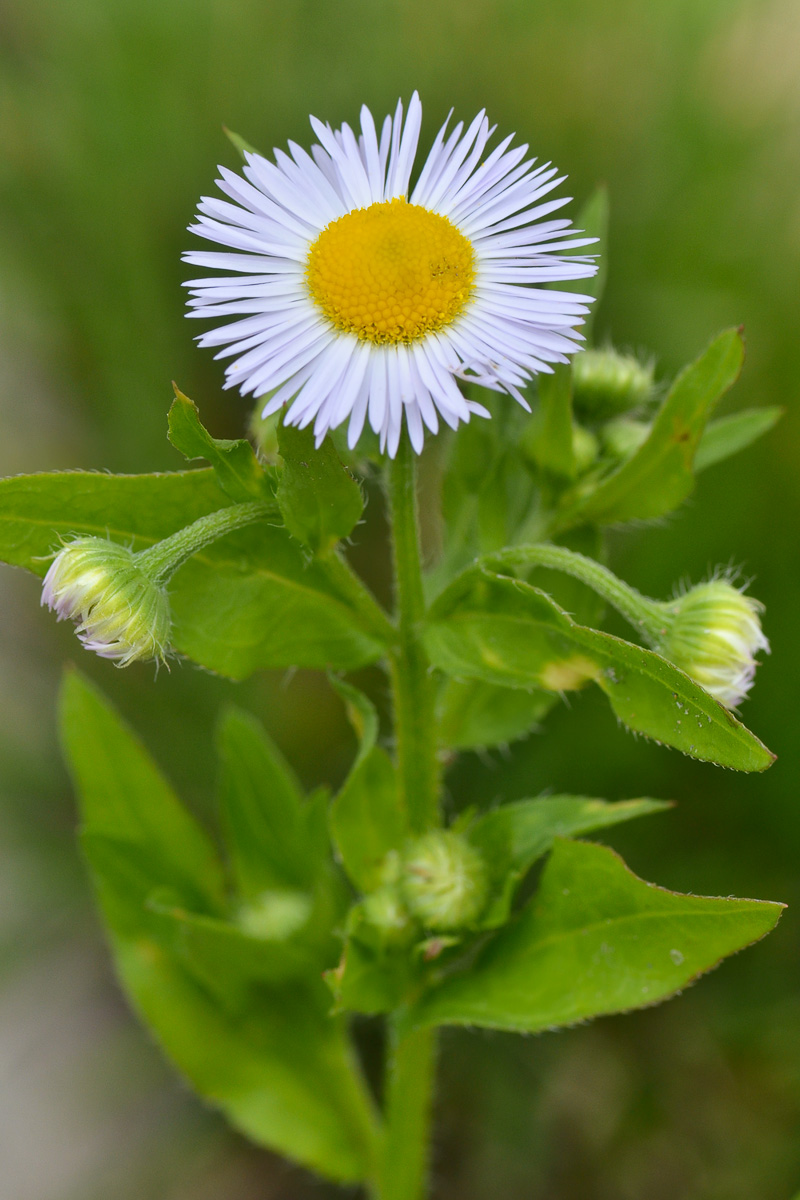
(623, 437)
(713, 632)
(120, 612)
(606, 383)
(444, 881)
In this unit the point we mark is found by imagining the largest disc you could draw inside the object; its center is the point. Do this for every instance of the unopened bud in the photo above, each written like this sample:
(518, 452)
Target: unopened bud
(275, 915)
(623, 437)
(606, 384)
(584, 448)
(713, 632)
(385, 911)
(444, 881)
(120, 612)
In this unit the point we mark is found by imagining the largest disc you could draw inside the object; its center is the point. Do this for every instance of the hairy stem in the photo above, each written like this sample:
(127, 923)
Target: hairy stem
(410, 1079)
(412, 684)
(161, 561)
(644, 614)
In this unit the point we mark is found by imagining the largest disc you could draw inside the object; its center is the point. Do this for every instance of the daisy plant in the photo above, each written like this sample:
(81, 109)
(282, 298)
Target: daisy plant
(365, 303)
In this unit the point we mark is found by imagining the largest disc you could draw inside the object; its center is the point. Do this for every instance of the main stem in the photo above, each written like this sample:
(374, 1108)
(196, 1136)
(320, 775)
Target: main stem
(411, 1057)
(412, 683)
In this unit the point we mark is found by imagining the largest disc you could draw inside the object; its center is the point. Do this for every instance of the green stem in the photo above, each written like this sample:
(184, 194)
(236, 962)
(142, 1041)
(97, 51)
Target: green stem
(411, 1067)
(161, 561)
(412, 683)
(644, 614)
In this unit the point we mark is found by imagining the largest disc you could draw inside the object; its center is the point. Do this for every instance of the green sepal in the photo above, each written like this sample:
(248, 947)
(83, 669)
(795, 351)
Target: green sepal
(659, 476)
(594, 939)
(505, 631)
(512, 837)
(318, 497)
(238, 471)
(731, 434)
(279, 1067)
(367, 818)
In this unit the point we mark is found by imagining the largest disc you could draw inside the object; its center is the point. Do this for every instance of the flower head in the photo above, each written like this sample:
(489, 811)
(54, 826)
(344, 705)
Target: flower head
(713, 633)
(606, 383)
(358, 297)
(121, 613)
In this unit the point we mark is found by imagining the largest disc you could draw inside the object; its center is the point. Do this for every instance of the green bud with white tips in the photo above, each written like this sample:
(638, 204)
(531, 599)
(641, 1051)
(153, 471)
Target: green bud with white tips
(122, 614)
(713, 632)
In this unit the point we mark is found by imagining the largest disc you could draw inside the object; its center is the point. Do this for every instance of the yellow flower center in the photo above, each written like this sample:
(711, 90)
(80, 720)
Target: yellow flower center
(391, 272)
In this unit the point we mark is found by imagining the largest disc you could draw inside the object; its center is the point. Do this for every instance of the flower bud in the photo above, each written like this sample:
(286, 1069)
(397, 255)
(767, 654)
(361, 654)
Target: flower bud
(713, 633)
(606, 384)
(623, 437)
(121, 613)
(444, 881)
(384, 910)
(275, 915)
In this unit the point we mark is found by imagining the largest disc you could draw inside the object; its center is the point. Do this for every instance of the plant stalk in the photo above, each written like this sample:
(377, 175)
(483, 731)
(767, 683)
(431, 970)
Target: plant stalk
(412, 683)
(410, 1079)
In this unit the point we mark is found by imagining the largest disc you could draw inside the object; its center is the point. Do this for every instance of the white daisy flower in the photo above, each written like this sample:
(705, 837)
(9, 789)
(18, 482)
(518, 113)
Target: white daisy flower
(358, 297)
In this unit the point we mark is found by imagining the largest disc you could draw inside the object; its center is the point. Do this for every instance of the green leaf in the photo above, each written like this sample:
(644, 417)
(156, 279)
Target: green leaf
(369, 980)
(262, 810)
(731, 434)
(506, 632)
(513, 836)
(594, 939)
(658, 477)
(474, 715)
(238, 471)
(124, 796)
(548, 438)
(228, 961)
(36, 511)
(238, 141)
(318, 497)
(360, 713)
(279, 1068)
(367, 818)
(248, 601)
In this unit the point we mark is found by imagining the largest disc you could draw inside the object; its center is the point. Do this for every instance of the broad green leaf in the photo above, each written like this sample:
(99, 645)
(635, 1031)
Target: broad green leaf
(124, 796)
(548, 439)
(594, 939)
(506, 632)
(513, 836)
(262, 810)
(228, 961)
(248, 601)
(238, 471)
(280, 1068)
(37, 511)
(731, 434)
(658, 477)
(474, 715)
(251, 601)
(282, 1072)
(318, 497)
(367, 819)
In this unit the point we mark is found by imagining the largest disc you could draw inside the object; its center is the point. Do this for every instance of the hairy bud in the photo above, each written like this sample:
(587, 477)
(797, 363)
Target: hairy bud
(713, 632)
(606, 384)
(444, 881)
(120, 612)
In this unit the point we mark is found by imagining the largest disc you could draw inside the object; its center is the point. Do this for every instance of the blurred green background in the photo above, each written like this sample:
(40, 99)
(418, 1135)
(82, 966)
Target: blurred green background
(110, 115)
